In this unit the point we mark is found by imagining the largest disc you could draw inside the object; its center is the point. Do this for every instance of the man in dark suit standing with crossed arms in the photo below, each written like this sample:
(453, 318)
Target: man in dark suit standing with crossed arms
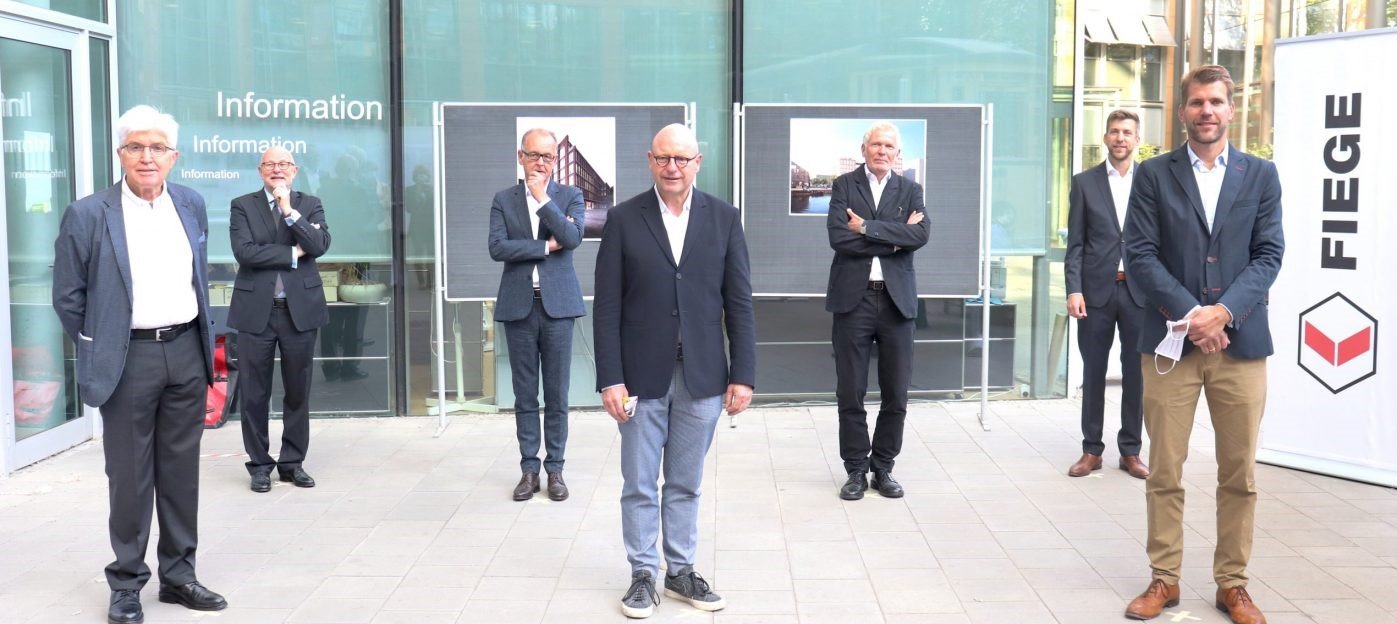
(278, 303)
(534, 227)
(877, 219)
(1101, 298)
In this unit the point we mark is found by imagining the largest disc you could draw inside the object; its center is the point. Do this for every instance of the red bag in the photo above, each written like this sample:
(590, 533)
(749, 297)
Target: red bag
(223, 389)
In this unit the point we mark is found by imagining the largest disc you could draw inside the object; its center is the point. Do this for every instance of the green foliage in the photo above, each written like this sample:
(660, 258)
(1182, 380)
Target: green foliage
(1146, 151)
(1261, 150)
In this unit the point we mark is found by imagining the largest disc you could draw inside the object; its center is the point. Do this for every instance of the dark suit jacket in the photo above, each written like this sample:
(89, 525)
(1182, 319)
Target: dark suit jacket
(889, 238)
(1178, 264)
(262, 246)
(1095, 240)
(92, 283)
(513, 242)
(646, 302)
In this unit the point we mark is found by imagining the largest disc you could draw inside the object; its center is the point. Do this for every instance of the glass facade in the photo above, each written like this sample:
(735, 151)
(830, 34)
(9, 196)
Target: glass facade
(315, 77)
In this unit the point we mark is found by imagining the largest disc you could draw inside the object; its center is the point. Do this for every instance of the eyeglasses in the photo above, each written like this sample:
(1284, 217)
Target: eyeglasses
(136, 149)
(273, 166)
(535, 157)
(679, 161)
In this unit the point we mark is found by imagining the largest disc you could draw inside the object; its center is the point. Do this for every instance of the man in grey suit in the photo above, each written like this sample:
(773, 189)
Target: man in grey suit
(534, 226)
(1101, 298)
(130, 286)
(1203, 238)
(278, 304)
(672, 279)
(877, 220)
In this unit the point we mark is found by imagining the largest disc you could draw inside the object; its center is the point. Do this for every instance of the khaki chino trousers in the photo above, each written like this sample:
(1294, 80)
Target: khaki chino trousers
(1236, 393)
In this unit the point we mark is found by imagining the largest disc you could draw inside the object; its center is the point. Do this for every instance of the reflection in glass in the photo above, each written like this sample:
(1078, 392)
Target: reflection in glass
(36, 123)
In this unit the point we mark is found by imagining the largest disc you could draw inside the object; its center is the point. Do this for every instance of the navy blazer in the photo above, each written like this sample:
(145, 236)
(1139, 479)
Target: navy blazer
(1095, 240)
(888, 237)
(646, 302)
(92, 272)
(513, 242)
(262, 246)
(1178, 263)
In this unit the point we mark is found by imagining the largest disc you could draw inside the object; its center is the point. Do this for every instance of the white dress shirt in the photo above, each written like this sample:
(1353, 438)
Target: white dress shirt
(1209, 181)
(676, 226)
(1120, 194)
(534, 206)
(875, 274)
(162, 262)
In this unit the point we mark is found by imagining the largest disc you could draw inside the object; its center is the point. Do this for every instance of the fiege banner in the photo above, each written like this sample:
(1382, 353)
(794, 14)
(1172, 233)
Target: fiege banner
(1332, 407)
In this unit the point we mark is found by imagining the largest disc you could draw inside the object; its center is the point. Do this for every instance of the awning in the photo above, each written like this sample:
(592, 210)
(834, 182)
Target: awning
(1130, 30)
(1098, 29)
(1159, 31)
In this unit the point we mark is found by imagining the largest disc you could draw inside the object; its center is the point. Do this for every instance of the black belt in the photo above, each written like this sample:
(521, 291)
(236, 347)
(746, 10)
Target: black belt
(876, 285)
(538, 294)
(279, 302)
(161, 334)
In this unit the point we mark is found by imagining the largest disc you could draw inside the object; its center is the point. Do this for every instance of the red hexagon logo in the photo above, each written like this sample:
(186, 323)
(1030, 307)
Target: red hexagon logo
(1338, 343)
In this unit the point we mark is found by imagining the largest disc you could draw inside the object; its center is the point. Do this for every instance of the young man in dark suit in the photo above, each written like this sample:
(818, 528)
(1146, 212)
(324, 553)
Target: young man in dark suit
(1203, 239)
(1101, 298)
(278, 304)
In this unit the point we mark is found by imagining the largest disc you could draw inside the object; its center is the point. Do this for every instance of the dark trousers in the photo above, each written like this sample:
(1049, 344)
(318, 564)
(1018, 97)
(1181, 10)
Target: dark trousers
(1095, 333)
(256, 356)
(875, 320)
(151, 427)
(539, 341)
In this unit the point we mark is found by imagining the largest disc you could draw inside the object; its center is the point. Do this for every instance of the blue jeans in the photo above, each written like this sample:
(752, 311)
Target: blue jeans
(678, 428)
(535, 341)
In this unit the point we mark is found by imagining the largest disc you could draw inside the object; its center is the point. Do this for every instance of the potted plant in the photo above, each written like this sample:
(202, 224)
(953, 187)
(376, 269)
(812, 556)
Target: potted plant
(356, 286)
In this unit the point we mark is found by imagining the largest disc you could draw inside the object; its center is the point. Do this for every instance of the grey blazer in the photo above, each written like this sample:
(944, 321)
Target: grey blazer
(520, 249)
(92, 272)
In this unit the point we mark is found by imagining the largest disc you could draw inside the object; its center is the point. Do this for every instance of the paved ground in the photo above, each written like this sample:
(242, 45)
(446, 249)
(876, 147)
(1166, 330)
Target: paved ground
(408, 528)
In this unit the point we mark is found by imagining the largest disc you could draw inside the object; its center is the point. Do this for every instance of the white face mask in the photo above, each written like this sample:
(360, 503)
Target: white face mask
(1172, 346)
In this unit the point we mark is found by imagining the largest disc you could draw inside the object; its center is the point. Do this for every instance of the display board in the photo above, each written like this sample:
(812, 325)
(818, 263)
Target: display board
(1331, 379)
(602, 150)
(790, 155)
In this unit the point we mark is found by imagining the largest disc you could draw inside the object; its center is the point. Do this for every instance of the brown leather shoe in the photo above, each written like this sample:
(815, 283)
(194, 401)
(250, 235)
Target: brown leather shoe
(1085, 465)
(557, 488)
(1133, 465)
(1237, 604)
(528, 484)
(1157, 597)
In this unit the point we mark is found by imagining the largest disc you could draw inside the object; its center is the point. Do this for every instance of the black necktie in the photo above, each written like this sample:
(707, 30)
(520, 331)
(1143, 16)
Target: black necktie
(280, 289)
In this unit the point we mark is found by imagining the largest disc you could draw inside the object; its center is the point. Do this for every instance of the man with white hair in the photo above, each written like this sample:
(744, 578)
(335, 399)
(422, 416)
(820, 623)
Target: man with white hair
(672, 275)
(877, 220)
(130, 284)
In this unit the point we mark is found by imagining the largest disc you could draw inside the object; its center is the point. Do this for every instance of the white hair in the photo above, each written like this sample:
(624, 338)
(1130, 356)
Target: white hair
(533, 131)
(144, 118)
(883, 126)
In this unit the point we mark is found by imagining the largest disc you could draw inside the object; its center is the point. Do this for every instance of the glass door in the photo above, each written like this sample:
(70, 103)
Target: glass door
(44, 100)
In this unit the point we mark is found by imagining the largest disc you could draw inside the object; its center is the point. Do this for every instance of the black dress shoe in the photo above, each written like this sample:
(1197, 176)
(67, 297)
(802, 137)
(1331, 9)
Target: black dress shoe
(262, 482)
(297, 477)
(193, 596)
(853, 489)
(557, 488)
(527, 486)
(126, 607)
(886, 485)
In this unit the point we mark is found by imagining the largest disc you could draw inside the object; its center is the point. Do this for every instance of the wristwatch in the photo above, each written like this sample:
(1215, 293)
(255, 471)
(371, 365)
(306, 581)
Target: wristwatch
(863, 228)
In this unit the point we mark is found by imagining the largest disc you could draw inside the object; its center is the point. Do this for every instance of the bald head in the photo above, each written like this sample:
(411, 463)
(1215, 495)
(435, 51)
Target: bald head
(278, 167)
(674, 162)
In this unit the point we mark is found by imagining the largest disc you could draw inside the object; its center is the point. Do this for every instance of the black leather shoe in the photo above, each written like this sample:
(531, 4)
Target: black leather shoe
(557, 488)
(886, 485)
(854, 488)
(193, 596)
(126, 607)
(528, 485)
(297, 477)
(262, 482)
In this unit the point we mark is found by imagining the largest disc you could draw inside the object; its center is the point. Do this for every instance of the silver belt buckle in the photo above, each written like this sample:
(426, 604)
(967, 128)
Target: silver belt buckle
(160, 333)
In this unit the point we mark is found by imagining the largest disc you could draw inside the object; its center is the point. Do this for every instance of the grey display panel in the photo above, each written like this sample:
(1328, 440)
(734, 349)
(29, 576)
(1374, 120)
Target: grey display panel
(790, 253)
(479, 142)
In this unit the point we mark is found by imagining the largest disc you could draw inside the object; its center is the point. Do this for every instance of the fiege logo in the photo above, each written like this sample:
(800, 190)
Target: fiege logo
(1338, 343)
